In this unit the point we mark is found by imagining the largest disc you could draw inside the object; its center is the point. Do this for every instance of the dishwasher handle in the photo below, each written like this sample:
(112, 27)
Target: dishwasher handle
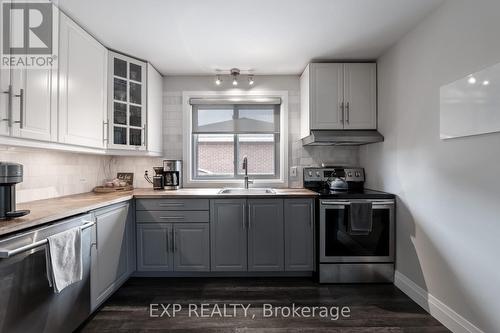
(5, 253)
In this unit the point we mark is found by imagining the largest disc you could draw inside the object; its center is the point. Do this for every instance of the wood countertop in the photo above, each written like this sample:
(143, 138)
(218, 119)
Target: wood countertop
(213, 193)
(49, 210)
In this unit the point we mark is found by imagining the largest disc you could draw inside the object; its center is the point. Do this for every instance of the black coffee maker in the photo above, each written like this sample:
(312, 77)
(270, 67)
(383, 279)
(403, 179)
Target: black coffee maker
(158, 180)
(10, 175)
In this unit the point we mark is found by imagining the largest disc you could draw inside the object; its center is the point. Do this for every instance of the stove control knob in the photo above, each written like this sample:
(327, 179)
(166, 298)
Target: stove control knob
(318, 174)
(349, 174)
(356, 174)
(310, 173)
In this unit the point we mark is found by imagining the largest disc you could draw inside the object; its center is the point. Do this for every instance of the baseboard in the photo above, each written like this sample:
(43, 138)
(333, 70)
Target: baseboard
(447, 316)
(221, 274)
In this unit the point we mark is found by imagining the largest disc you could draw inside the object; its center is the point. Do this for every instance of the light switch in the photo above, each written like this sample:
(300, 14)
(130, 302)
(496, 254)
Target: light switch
(293, 171)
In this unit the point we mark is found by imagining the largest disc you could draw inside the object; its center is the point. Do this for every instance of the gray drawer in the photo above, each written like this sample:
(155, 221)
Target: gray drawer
(172, 204)
(172, 216)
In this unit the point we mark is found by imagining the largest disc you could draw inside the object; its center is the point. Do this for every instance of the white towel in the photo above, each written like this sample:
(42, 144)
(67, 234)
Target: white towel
(64, 259)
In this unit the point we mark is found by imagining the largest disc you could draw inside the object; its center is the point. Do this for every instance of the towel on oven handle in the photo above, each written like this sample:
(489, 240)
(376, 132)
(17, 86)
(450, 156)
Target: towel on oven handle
(360, 218)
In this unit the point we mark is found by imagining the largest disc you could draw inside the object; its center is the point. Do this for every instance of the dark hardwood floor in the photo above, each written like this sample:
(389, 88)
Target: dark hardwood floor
(373, 308)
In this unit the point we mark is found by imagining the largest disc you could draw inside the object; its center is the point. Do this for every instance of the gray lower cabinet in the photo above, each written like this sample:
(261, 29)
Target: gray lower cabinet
(299, 234)
(154, 247)
(112, 252)
(265, 235)
(166, 247)
(191, 247)
(228, 235)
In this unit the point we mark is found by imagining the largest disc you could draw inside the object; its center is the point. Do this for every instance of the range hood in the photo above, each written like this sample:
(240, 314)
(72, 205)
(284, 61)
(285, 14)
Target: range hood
(342, 138)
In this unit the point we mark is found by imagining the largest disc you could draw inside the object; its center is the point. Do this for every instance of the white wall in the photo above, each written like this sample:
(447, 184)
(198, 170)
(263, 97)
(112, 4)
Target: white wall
(448, 220)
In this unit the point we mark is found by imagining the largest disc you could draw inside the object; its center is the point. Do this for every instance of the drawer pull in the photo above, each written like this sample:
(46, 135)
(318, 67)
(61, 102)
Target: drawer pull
(180, 204)
(172, 217)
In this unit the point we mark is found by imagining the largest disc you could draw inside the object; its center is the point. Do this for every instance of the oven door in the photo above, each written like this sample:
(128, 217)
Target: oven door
(338, 245)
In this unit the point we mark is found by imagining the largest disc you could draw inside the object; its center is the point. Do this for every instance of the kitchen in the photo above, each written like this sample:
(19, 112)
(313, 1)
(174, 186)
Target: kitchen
(331, 167)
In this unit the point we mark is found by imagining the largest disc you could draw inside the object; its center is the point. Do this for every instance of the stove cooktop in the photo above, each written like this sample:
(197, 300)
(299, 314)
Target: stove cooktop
(353, 194)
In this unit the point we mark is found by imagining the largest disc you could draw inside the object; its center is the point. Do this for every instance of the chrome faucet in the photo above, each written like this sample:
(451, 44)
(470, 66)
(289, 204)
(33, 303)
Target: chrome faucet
(245, 167)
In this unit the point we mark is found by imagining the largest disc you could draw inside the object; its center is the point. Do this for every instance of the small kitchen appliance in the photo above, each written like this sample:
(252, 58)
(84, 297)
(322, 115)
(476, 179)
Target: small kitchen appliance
(158, 179)
(356, 232)
(172, 173)
(10, 175)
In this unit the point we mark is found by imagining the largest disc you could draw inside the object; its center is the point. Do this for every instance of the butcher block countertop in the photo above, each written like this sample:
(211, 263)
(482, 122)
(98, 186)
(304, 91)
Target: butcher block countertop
(50, 210)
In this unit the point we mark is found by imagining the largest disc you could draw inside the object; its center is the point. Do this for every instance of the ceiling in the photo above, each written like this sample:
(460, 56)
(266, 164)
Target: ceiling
(191, 37)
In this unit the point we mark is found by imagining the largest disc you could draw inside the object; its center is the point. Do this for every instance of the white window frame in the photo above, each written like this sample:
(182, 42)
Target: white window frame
(239, 97)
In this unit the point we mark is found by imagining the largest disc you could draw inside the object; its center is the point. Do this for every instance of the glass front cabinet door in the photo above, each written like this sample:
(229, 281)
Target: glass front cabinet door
(127, 103)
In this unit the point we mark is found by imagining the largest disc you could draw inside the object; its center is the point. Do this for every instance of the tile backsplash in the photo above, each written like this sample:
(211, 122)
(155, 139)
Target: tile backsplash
(49, 174)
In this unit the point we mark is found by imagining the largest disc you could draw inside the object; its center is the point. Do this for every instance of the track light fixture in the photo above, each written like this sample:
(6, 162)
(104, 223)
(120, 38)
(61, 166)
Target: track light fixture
(235, 73)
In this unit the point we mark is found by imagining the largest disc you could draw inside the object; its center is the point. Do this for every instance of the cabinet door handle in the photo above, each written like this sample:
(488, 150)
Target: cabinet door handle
(175, 240)
(347, 112)
(171, 233)
(9, 106)
(144, 135)
(167, 235)
(342, 112)
(96, 239)
(311, 218)
(244, 216)
(248, 216)
(21, 108)
(105, 130)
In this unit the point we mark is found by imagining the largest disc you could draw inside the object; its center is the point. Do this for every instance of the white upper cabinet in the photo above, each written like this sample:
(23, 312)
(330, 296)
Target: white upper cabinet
(127, 102)
(360, 96)
(155, 114)
(91, 99)
(326, 95)
(82, 86)
(28, 105)
(4, 92)
(336, 96)
(4, 101)
(35, 104)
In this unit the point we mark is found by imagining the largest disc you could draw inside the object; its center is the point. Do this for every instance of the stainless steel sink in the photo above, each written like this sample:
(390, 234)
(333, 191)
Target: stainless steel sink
(248, 191)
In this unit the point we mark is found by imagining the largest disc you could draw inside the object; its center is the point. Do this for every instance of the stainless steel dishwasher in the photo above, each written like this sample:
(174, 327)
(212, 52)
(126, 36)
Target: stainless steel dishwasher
(27, 303)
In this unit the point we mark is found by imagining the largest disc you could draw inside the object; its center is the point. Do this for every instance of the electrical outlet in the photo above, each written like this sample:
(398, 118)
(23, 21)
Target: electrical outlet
(293, 171)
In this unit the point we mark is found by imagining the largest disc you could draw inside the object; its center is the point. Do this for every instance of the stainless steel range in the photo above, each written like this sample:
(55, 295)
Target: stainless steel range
(356, 227)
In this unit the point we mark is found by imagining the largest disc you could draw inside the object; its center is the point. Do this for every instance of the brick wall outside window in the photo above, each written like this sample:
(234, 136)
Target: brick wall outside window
(218, 157)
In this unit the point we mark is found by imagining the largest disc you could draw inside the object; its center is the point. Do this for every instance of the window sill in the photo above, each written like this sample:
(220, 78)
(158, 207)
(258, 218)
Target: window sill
(276, 183)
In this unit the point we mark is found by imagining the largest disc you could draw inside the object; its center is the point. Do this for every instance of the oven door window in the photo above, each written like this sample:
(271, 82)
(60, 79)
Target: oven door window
(339, 242)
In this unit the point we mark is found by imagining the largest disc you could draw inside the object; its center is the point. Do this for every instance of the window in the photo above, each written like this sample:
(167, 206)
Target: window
(223, 134)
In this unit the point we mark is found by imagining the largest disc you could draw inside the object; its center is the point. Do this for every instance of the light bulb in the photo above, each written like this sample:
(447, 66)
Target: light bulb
(250, 80)
(471, 80)
(218, 81)
(486, 82)
(235, 82)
